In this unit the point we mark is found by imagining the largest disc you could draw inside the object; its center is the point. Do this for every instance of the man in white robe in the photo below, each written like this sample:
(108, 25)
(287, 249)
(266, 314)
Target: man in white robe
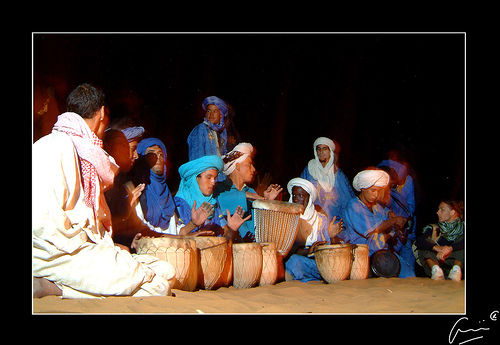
(71, 227)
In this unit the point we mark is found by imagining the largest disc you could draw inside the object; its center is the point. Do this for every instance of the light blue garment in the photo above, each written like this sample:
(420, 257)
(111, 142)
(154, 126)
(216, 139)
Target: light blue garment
(335, 201)
(188, 187)
(215, 223)
(202, 141)
(189, 190)
(230, 198)
(403, 205)
(359, 222)
(207, 138)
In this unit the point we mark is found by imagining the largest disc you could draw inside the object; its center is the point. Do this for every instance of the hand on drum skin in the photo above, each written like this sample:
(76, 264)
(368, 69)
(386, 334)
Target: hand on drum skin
(272, 191)
(200, 215)
(234, 222)
(335, 228)
(133, 245)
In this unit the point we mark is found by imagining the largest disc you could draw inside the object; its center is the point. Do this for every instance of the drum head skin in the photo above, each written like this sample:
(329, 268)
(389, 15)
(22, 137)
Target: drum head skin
(384, 263)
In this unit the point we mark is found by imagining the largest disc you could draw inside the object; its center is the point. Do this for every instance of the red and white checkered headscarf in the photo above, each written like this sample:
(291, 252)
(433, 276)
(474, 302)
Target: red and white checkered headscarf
(95, 163)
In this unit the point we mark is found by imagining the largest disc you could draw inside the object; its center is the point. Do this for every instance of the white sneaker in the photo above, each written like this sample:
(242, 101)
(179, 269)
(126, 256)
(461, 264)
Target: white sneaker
(437, 273)
(455, 273)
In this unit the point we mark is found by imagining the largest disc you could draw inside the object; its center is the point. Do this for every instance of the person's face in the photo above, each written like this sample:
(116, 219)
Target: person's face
(300, 196)
(213, 114)
(157, 166)
(246, 170)
(372, 194)
(445, 213)
(206, 181)
(323, 152)
(133, 150)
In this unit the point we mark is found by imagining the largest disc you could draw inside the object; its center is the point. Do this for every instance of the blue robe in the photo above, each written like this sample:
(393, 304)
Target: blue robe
(230, 198)
(335, 201)
(214, 223)
(359, 222)
(202, 141)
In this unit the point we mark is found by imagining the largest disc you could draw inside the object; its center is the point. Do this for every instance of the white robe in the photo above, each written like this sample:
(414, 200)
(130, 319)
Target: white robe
(70, 246)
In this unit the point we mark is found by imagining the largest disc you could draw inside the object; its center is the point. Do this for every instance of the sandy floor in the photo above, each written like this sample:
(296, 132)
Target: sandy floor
(375, 295)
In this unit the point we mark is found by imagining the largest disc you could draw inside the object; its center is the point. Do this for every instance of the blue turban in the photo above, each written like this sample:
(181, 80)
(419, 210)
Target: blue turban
(222, 108)
(132, 133)
(160, 204)
(188, 188)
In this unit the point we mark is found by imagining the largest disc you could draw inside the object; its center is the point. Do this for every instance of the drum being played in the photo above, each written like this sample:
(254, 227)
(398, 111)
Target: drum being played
(276, 221)
(334, 261)
(361, 262)
(179, 252)
(269, 264)
(247, 264)
(212, 259)
(384, 263)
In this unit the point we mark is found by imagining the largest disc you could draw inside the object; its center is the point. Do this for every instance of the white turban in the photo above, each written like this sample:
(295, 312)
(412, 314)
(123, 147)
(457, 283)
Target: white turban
(310, 214)
(368, 178)
(325, 175)
(243, 150)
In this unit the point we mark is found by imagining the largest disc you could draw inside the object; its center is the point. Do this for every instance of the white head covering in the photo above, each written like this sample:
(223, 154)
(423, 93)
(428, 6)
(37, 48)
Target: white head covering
(325, 175)
(245, 148)
(368, 178)
(310, 215)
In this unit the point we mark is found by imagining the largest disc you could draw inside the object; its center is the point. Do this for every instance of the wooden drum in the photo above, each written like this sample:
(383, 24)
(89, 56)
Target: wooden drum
(276, 221)
(247, 264)
(334, 261)
(269, 264)
(181, 253)
(361, 262)
(212, 261)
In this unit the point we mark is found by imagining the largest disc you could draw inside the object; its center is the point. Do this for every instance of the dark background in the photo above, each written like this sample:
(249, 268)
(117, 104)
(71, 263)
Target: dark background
(371, 93)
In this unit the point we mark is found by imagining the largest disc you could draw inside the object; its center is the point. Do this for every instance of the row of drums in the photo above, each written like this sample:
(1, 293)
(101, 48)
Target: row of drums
(209, 262)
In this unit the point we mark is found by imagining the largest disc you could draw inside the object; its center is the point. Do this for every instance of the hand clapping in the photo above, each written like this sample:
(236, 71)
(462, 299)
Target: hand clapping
(272, 191)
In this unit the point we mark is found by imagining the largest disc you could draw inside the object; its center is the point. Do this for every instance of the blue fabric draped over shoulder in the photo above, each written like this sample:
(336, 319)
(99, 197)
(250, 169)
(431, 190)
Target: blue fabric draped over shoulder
(334, 202)
(160, 205)
(207, 138)
(359, 222)
(189, 190)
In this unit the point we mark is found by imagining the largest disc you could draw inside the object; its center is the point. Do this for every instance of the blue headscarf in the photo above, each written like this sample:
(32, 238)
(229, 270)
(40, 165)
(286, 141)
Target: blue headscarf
(222, 108)
(188, 188)
(160, 204)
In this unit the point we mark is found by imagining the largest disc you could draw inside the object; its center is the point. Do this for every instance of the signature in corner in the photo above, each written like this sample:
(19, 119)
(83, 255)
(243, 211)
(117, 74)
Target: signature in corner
(455, 330)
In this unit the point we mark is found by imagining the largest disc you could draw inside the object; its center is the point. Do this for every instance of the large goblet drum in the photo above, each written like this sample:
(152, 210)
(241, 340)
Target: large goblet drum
(276, 222)
(181, 253)
(247, 264)
(214, 261)
(334, 261)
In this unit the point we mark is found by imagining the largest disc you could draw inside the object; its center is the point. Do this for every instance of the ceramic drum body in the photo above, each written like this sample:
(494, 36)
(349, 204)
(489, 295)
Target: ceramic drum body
(212, 261)
(247, 264)
(276, 222)
(181, 253)
(269, 264)
(361, 262)
(334, 261)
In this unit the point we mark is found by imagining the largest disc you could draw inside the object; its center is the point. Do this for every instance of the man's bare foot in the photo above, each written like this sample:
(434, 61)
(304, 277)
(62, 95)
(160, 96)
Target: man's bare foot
(43, 287)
